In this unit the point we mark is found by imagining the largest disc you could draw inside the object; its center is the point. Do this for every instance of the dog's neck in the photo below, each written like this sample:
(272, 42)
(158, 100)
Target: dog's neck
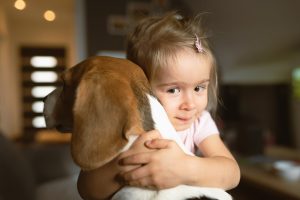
(161, 123)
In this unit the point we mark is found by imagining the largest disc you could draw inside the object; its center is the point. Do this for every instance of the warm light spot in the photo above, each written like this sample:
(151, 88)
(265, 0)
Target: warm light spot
(20, 4)
(44, 77)
(43, 61)
(49, 15)
(41, 91)
(38, 106)
(39, 122)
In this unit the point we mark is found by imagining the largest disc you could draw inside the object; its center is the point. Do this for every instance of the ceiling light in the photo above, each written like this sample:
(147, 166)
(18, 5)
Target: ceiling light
(20, 4)
(49, 15)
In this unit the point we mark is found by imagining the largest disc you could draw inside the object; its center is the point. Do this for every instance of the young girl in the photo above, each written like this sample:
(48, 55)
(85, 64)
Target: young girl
(181, 68)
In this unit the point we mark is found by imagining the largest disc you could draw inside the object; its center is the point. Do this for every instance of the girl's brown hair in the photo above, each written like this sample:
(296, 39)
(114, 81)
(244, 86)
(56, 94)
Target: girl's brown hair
(160, 37)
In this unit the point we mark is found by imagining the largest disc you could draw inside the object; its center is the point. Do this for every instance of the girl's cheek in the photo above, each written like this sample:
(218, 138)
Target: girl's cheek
(161, 97)
(171, 107)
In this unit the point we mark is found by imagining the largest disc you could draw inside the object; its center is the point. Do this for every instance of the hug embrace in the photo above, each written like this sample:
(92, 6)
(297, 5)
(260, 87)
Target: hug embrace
(138, 123)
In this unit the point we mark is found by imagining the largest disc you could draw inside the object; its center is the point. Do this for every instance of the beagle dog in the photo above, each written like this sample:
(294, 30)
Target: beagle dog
(106, 103)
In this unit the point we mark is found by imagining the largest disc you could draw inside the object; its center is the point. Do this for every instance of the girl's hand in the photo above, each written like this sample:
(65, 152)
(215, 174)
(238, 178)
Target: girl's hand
(159, 169)
(137, 147)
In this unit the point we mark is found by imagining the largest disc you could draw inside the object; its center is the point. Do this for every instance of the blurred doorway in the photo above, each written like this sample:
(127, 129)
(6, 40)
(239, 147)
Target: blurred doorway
(40, 69)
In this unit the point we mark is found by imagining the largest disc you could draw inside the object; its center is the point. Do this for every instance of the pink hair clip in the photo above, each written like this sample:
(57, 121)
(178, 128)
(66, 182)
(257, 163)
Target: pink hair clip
(198, 45)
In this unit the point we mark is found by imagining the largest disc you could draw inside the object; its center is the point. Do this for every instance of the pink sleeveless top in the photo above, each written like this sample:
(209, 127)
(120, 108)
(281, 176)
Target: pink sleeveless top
(203, 127)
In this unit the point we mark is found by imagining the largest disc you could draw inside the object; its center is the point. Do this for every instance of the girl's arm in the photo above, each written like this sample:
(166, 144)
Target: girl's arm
(169, 166)
(100, 183)
(220, 167)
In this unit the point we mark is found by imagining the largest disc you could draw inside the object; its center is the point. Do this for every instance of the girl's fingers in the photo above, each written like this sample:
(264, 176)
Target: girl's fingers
(127, 168)
(136, 175)
(158, 144)
(140, 177)
(143, 182)
(154, 134)
(136, 159)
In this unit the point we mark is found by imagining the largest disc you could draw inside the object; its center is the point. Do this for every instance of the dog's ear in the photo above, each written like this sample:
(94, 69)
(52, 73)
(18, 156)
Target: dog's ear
(105, 114)
(58, 110)
(50, 104)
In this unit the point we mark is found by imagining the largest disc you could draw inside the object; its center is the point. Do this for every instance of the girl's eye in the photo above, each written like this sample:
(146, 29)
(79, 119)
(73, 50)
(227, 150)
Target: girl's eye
(173, 90)
(200, 88)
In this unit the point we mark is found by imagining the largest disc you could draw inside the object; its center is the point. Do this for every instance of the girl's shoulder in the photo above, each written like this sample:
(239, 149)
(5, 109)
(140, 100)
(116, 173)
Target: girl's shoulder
(203, 118)
(204, 127)
(200, 123)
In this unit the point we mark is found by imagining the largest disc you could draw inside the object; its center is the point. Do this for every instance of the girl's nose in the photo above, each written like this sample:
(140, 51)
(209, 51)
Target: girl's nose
(188, 102)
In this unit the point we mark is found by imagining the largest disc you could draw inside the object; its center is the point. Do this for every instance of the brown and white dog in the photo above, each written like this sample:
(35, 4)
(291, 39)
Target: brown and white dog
(106, 103)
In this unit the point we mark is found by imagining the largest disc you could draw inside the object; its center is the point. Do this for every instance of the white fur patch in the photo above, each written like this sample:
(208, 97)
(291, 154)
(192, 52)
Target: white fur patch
(163, 124)
(131, 140)
(181, 192)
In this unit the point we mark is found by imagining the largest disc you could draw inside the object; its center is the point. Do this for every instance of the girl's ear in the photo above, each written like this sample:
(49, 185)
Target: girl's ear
(104, 117)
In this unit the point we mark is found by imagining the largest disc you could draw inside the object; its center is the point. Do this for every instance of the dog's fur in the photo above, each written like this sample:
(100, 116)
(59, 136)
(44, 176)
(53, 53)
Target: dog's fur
(106, 102)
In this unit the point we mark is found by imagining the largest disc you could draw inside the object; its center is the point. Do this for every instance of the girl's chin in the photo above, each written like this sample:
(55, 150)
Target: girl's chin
(182, 127)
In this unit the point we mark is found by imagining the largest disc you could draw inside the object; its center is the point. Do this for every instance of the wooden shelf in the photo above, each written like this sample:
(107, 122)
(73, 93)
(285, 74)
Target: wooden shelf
(51, 136)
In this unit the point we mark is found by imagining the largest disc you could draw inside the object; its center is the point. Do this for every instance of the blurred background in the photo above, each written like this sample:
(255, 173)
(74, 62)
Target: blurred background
(257, 45)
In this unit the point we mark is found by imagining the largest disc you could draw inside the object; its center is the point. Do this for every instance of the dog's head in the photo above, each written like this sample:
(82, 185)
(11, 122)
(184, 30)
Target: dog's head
(102, 102)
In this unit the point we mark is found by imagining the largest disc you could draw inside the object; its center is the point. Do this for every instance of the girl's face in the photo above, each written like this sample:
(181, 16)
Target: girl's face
(181, 87)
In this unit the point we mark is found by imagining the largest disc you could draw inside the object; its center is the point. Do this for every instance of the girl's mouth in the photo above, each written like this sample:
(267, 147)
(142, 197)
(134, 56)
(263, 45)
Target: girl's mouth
(184, 119)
